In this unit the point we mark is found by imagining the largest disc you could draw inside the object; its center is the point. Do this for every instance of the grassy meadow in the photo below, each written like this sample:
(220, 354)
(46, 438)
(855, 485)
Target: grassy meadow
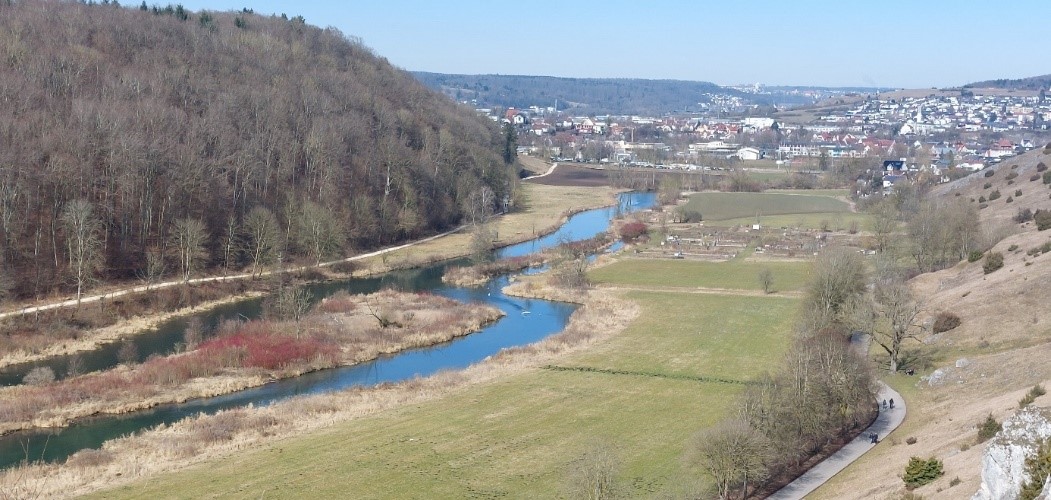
(736, 274)
(641, 394)
(715, 206)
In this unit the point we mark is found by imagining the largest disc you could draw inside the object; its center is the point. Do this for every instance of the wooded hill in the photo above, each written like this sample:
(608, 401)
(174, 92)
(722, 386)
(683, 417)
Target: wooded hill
(139, 141)
(581, 95)
(1042, 82)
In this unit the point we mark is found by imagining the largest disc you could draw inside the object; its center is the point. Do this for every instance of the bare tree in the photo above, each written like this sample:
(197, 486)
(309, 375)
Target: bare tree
(889, 316)
(593, 476)
(262, 237)
(188, 238)
(318, 232)
(290, 303)
(479, 205)
(84, 243)
(735, 454)
(154, 268)
(766, 280)
(837, 275)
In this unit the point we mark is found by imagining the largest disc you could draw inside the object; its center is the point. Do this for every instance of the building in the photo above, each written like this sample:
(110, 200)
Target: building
(749, 154)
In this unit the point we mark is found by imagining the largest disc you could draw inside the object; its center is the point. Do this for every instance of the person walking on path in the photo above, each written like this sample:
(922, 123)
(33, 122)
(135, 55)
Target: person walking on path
(885, 423)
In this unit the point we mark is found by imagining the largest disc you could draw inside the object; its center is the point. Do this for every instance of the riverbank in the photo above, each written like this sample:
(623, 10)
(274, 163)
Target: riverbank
(124, 329)
(196, 440)
(343, 330)
(546, 207)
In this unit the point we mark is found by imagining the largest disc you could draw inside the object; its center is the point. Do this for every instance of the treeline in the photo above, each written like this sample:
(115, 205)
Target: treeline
(822, 392)
(579, 95)
(1041, 82)
(140, 141)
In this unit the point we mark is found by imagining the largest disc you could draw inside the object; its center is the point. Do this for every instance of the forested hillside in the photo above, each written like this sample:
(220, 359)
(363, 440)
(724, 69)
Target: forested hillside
(159, 142)
(1042, 82)
(582, 95)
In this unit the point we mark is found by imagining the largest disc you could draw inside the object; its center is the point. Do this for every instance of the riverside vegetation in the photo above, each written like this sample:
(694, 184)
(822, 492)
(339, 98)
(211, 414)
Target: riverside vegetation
(341, 330)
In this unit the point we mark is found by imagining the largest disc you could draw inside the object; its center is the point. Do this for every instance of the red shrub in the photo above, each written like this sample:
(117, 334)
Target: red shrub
(269, 351)
(633, 230)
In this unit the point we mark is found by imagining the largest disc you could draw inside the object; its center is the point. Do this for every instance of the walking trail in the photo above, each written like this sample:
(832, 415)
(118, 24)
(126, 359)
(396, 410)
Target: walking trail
(549, 171)
(885, 423)
(146, 288)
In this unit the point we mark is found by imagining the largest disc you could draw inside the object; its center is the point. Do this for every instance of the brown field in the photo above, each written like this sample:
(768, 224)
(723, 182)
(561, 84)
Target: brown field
(569, 174)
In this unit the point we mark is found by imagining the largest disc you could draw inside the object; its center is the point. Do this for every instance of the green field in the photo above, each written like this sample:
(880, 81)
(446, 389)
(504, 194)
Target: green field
(836, 221)
(735, 274)
(644, 392)
(722, 206)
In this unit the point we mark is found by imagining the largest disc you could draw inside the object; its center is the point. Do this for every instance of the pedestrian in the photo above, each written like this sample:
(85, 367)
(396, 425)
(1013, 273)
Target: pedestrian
(884, 404)
(892, 402)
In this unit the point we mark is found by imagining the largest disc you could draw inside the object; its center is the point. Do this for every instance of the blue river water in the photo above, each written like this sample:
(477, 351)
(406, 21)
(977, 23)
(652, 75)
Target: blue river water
(526, 321)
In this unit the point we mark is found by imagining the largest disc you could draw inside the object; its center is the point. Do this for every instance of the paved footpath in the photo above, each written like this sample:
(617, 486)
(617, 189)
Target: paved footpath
(887, 421)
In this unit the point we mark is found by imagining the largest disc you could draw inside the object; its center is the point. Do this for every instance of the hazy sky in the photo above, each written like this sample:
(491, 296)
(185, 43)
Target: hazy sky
(889, 43)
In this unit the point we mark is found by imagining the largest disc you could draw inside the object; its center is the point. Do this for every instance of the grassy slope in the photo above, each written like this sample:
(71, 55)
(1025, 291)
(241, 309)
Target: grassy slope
(722, 206)
(1005, 336)
(736, 274)
(518, 436)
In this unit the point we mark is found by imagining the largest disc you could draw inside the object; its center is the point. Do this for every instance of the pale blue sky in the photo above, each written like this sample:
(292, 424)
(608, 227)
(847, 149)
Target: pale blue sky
(890, 43)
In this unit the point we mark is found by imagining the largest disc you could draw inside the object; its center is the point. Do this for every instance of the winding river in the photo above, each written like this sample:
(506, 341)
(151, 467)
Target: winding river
(526, 321)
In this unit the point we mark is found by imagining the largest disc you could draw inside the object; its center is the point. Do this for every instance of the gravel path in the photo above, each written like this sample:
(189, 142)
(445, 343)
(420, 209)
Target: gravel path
(885, 423)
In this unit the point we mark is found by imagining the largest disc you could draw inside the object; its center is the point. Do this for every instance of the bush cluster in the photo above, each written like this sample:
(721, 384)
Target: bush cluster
(945, 321)
(689, 216)
(1037, 391)
(1047, 177)
(975, 255)
(995, 195)
(1012, 175)
(1043, 219)
(993, 262)
(990, 173)
(920, 472)
(632, 231)
(1023, 215)
(988, 428)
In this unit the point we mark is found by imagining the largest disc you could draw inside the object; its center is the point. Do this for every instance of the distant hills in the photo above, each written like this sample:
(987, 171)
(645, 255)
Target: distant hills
(582, 95)
(121, 123)
(1042, 82)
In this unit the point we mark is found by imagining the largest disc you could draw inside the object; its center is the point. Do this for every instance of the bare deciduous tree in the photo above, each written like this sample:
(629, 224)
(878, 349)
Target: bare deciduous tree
(735, 454)
(594, 475)
(261, 237)
(188, 238)
(836, 275)
(84, 243)
(889, 316)
(318, 232)
(766, 280)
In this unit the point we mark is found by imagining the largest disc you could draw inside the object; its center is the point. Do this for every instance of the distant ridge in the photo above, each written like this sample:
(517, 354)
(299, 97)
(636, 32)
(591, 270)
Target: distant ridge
(584, 95)
(1042, 82)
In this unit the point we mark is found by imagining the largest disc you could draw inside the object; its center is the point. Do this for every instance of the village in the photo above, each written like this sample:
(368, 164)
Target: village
(943, 135)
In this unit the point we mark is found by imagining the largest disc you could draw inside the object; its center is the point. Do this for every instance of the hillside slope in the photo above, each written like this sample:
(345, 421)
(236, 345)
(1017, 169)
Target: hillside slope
(985, 365)
(580, 95)
(1042, 82)
(155, 116)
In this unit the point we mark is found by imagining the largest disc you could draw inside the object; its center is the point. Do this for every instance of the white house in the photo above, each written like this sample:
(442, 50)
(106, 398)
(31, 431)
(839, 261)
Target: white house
(749, 154)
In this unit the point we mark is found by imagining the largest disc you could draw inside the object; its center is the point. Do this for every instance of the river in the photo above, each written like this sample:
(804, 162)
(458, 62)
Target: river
(526, 321)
